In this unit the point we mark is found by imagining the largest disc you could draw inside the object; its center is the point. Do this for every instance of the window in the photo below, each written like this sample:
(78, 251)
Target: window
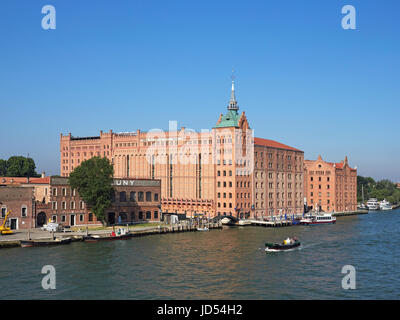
(72, 204)
(141, 197)
(140, 215)
(155, 197)
(123, 216)
(148, 215)
(122, 196)
(156, 214)
(90, 216)
(64, 192)
(24, 211)
(81, 217)
(54, 205)
(81, 205)
(148, 196)
(63, 218)
(132, 196)
(3, 212)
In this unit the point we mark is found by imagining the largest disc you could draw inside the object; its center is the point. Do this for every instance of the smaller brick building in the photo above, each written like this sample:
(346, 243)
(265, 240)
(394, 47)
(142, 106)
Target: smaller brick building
(21, 202)
(330, 186)
(35, 202)
(134, 200)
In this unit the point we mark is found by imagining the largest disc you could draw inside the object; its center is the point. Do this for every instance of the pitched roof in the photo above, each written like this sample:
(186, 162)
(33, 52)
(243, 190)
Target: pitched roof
(231, 119)
(24, 180)
(273, 144)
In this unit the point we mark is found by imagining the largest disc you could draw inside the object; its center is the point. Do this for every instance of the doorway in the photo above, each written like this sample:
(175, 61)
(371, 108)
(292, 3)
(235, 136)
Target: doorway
(111, 218)
(72, 220)
(13, 224)
(41, 219)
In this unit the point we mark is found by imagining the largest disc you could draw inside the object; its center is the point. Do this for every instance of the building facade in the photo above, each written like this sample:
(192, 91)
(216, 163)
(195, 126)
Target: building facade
(35, 201)
(211, 172)
(21, 202)
(330, 186)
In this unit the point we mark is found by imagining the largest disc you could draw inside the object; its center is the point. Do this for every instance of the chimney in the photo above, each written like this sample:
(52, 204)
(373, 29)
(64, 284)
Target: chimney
(43, 174)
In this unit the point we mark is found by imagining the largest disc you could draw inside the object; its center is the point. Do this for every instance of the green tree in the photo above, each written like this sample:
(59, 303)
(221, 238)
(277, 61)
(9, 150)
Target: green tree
(93, 181)
(18, 166)
(3, 168)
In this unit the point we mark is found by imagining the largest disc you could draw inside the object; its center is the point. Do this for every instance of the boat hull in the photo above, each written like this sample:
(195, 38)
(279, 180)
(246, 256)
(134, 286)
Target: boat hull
(107, 238)
(43, 243)
(276, 247)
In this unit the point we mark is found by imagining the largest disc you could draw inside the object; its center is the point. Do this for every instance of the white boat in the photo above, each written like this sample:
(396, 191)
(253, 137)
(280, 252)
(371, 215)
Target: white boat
(203, 229)
(385, 205)
(373, 204)
(319, 218)
(244, 222)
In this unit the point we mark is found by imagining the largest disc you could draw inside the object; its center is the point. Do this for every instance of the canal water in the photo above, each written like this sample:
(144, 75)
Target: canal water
(220, 264)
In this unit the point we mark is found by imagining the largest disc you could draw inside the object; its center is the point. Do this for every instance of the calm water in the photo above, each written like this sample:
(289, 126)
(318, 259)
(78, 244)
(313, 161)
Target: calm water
(220, 264)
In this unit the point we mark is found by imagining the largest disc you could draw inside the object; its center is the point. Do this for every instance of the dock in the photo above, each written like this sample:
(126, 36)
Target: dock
(11, 241)
(272, 224)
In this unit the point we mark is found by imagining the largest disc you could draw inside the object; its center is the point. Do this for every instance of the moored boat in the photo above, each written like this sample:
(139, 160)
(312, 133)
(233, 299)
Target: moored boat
(122, 234)
(373, 204)
(385, 205)
(202, 229)
(44, 242)
(319, 218)
(244, 222)
(289, 243)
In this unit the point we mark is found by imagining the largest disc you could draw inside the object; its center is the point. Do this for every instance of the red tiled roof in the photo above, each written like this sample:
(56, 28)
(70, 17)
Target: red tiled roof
(272, 144)
(339, 165)
(23, 180)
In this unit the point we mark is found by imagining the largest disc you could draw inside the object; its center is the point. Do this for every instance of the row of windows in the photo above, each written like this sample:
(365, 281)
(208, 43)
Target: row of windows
(226, 205)
(140, 196)
(71, 205)
(24, 211)
(123, 215)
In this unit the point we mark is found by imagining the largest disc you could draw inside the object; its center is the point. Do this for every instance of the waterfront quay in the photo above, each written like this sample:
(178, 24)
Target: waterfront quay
(15, 239)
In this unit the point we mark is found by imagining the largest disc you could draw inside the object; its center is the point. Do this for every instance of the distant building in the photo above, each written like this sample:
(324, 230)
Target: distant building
(220, 171)
(330, 186)
(36, 200)
(398, 185)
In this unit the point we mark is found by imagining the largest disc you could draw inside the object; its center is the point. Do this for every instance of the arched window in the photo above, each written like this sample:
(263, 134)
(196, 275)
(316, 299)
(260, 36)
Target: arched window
(140, 196)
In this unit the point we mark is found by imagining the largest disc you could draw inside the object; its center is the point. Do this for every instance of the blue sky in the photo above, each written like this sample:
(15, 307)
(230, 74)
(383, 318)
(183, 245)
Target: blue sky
(126, 65)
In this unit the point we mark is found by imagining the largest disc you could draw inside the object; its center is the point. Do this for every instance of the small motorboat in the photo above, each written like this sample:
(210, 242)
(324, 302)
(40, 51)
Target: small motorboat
(44, 242)
(289, 243)
(122, 234)
(202, 229)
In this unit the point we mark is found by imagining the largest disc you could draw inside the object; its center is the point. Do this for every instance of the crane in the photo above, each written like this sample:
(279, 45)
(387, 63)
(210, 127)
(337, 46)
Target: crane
(3, 229)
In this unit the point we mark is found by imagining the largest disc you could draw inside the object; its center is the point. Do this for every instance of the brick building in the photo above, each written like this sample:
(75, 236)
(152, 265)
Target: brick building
(210, 172)
(331, 186)
(133, 201)
(21, 201)
(34, 201)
